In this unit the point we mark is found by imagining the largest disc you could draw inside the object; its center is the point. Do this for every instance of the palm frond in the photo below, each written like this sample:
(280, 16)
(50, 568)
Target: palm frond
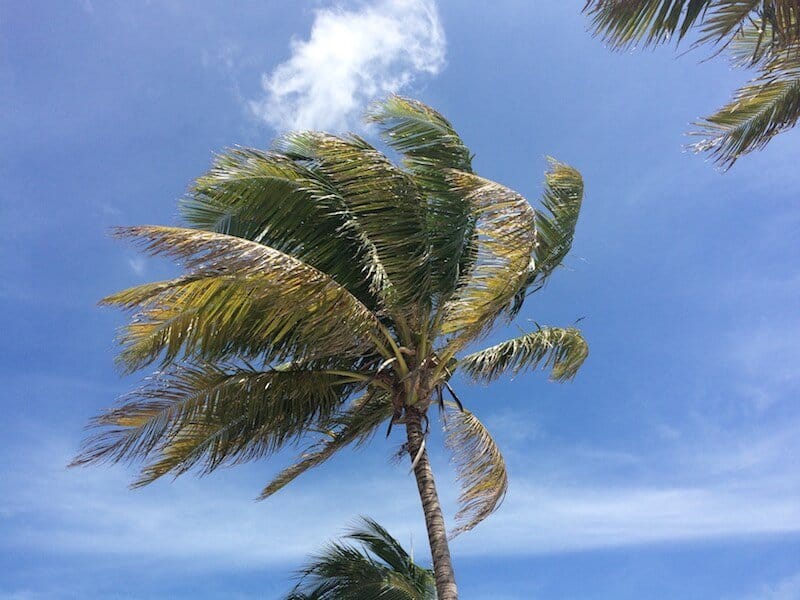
(383, 200)
(760, 33)
(480, 467)
(624, 23)
(378, 542)
(354, 425)
(425, 138)
(379, 568)
(214, 415)
(563, 351)
(268, 198)
(759, 111)
(239, 298)
(555, 227)
(505, 236)
(726, 20)
(430, 146)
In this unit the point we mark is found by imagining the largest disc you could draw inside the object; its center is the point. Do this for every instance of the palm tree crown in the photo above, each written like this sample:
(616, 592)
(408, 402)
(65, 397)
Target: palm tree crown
(381, 568)
(762, 34)
(328, 292)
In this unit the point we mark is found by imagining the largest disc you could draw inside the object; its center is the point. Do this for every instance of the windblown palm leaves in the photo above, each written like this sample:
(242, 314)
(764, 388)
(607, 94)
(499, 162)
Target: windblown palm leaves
(761, 34)
(327, 293)
(379, 569)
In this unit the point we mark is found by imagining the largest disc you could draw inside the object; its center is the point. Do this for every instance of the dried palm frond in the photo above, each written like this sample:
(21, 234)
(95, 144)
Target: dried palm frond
(480, 467)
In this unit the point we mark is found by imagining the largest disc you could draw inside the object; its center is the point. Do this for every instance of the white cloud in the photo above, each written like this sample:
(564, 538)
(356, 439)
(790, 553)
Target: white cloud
(544, 519)
(213, 522)
(351, 57)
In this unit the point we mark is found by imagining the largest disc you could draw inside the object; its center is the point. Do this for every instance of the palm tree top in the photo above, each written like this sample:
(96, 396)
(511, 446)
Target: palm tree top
(328, 292)
(377, 567)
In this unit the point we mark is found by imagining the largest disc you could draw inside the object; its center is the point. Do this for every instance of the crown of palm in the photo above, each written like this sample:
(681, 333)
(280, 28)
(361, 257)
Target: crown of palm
(327, 291)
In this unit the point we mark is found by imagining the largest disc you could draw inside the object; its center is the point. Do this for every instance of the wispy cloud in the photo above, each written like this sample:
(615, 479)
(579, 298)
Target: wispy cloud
(766, 355)
(544, 519)
(91, 512)
(351, 57)
(214, 522)
(137, 265)
(785, 589)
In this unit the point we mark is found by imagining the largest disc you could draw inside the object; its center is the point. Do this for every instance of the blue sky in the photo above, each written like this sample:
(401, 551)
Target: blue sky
(665, 470)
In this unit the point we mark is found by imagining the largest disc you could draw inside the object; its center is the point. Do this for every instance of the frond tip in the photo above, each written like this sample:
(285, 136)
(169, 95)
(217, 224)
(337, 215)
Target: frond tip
(562, 350)
(209, 416)
(480, 466)
(759, 111)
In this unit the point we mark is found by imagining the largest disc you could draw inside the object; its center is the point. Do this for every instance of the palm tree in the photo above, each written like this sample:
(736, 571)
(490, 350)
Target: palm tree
(761, 34)
(328, 292)
(381, 568)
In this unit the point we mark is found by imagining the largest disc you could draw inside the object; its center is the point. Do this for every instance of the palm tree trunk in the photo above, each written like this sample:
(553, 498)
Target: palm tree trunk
(437, 534)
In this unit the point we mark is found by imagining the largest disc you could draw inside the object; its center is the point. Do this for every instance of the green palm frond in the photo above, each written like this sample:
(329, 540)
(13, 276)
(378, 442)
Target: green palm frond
(624, 23)
(563, 351)
(505, 238)
(555, 227)
(425, 138)
(728, 19)
(759, 111)
(764, 34)
(354, 425)
(241, 298)
(379, 569)
(383, 200)
(268, 198)
(430, 146)
(480, 468)
(213, 415)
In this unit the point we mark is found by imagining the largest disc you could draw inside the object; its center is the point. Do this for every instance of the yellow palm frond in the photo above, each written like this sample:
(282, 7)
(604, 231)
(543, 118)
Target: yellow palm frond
(480, 467)
(239, 297)
(504, 241)
(212, 415)
(563, 351)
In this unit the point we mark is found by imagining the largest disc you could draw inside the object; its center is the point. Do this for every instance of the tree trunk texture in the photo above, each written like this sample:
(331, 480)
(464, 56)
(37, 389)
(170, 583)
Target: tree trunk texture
(437, 534)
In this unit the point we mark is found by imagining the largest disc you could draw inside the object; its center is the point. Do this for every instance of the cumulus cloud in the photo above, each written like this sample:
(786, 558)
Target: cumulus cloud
(349, 58)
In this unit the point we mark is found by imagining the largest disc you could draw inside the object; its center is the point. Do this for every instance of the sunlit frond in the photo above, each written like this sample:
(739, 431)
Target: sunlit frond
(383, 200)
(759, 111)
(430, 146)
(379, 569)
(555, 227)
(480, 467)
(504, 242)
(210, 415)
(354, 425)
(239, 297)
(563, 351)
